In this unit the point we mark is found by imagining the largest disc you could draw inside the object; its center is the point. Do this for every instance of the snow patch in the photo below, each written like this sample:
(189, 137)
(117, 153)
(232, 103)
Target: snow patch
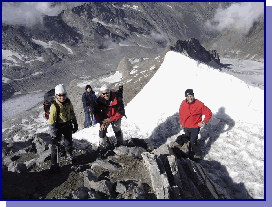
(153, 67)
(37, 59)
(7, 54)
(113, 79)
(133, 71)
(132, 7)
(132, 61)
(5, 80)
(51, 44)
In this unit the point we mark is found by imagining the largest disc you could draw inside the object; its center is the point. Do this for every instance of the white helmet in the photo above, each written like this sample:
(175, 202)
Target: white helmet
(60, 89)
(105, 87)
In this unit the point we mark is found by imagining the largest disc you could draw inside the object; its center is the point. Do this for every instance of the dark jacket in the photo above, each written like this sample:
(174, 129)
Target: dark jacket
(113, 109)
(190, 114)
(89, 100)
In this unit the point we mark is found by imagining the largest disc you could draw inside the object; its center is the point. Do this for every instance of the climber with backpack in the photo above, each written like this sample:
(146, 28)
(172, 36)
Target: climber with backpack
(109, 110)
(62, 121)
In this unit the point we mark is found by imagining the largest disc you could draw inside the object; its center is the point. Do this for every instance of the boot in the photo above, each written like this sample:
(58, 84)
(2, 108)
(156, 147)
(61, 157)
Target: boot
(102, 148)
(103, 142)
(194, 157)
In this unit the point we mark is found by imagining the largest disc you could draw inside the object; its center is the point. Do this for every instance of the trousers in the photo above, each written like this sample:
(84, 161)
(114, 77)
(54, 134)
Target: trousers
(67, 133)
(193, 134)
(89, 117)
(116, 127)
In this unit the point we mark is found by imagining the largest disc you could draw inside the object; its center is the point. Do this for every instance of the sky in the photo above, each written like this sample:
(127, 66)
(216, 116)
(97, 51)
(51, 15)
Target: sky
(236, 127)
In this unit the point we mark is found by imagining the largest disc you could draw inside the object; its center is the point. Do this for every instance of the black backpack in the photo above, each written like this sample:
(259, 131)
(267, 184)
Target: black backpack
(119, 95)
(49, 99)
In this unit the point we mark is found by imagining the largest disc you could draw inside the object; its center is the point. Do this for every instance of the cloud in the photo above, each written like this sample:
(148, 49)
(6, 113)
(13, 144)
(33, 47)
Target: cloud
(239, 17)
(31, 13)
(159, 36)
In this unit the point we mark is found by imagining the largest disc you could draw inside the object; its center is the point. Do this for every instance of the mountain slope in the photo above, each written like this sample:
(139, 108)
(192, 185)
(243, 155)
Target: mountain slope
(149, 24)
(234, 129)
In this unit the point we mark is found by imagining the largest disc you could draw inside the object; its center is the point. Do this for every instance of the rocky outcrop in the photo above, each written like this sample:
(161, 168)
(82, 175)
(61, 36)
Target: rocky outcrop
(158, 176)
(193, 49)
(133, 171)
(124, 67)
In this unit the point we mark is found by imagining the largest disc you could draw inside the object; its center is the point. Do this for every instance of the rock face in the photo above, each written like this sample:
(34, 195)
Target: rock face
(195, 50)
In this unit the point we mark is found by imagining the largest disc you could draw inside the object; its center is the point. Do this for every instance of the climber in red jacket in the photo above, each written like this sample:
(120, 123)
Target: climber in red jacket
(190, 118)
(109, 110)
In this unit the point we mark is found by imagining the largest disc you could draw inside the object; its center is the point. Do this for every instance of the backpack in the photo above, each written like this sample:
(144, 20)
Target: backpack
(119, 91)
(49, 99)
(119, 95)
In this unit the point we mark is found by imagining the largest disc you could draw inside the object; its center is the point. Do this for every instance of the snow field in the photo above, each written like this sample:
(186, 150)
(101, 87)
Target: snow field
(238, 110)
(242, 153)
(241, 148)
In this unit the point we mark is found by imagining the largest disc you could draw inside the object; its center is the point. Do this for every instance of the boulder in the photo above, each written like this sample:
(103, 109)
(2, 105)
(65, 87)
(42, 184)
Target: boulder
(17, 167)
(46, 155)
(41, 142)
(80, 193)
(124, 67)
(130, 151)
(158, 175)
(103, 186)
(130, 190)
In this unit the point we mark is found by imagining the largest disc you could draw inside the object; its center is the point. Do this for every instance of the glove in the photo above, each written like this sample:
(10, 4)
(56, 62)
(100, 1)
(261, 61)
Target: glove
(75, 128)
(105, 124)
(106, 121)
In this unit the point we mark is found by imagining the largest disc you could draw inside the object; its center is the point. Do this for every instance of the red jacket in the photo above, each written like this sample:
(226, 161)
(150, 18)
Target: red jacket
(190, 114)
(112, 109)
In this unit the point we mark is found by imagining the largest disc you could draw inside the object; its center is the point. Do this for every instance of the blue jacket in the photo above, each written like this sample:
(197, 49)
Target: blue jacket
(89, 100)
